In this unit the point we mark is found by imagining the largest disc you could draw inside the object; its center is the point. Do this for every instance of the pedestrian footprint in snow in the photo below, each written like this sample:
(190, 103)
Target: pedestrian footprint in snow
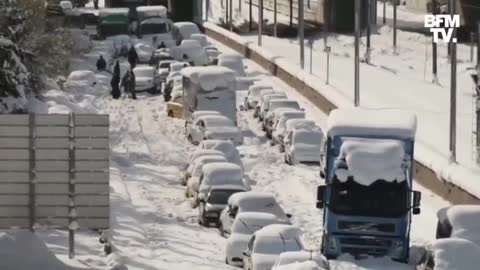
(101, 63)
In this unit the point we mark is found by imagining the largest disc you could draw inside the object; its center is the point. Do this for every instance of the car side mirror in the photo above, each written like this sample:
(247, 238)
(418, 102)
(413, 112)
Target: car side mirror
(246, 253)
(320, 196)
(417, 197)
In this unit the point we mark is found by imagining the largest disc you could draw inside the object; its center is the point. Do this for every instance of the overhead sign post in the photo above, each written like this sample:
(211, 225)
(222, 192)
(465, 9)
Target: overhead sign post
(54, 172)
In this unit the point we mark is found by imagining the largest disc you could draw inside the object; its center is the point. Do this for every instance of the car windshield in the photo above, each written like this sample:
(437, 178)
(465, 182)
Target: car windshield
(220, 196)
(249, 226)
(284, 104)
(381, 199)
(275, 245)
(219, 122)
(314, 138)
(154, 28)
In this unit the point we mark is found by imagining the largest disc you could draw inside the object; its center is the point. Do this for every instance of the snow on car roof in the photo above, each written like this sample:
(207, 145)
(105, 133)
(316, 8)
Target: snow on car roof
(220, 145)
(288, 112)
(299, 123)
(256, 216)
(184, 24)
(190, 43)
(209, 77)
(112, 11)
(275, 230)
(214, 118)
(251, 195)
(200, 161)
(228, 187)
(204, 112)
(204, 152)
(465, 221)
(143, 68)
(369, 160)
(456, 254)
(222, 170)
(381, 123)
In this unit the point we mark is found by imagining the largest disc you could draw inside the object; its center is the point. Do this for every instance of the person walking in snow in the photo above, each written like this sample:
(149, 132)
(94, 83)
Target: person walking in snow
(162, 45)
(115, 81)
(131, 85)
(95, 4)
(132, 57)
(101, 64)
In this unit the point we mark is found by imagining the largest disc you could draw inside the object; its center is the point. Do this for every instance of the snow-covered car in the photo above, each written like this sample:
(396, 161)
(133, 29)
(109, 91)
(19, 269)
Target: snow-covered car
(226, 147)
(252, 201)
(459, 221)
(275, 104)
(244, 226)
(164, 69)
(262, 107)
(192, 177)
(290, 125)
(80, 78)
(146, 79)
(195, 155)
(280, 123)
(219, 174)
(144, 52)
(216, 199)
(233, 62)
(175, 104)
(266, 245)
(201, 38)
(303, 146)
(254, 93)
(183, 30)
(197, 114)
(291, 257)
(453, 254)
(212, 54)
(213, 127)
(190, 43)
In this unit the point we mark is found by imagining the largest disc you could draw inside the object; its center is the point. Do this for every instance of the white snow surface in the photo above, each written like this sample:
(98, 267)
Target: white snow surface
(369, 160)
(209, 77)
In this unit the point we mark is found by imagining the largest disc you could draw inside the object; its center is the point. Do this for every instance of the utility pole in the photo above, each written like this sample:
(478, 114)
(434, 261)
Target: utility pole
(250, 28)
(449, 9)
(357, 60)
(260, 22)
(326, 21)
(384, 11)
(434, 47)
(275, 18)
(240, 5)
(478, 45)
(231, 15)
(394, 26)
(291, 13)
(453, 89)
(367, 53)
(301, 33)
(226, 12)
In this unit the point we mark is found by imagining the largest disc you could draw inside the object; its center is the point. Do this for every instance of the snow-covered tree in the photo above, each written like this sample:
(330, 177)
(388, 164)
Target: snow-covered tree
(27, 52)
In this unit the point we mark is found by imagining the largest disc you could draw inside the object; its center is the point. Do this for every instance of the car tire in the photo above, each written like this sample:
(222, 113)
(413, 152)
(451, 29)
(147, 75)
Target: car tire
(170, 113)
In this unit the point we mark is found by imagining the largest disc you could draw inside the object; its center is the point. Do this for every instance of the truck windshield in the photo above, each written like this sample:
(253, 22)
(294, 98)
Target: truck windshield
(381, 199)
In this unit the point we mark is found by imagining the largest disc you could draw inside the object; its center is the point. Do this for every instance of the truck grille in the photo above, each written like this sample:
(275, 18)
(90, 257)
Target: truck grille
(366, 242)
(366, 226)
(368, 251)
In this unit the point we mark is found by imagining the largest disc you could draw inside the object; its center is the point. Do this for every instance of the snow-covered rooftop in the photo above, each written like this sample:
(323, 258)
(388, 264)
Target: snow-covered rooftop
(299, 123)
(209, 77)
(387, 123)
(369, 160)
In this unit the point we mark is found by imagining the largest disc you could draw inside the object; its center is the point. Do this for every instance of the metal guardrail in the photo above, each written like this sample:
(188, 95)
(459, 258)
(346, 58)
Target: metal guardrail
(424, 175)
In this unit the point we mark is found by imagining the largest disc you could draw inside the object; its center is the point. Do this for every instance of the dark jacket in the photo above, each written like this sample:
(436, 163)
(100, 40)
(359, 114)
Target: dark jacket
(132, 56)
(101, 64)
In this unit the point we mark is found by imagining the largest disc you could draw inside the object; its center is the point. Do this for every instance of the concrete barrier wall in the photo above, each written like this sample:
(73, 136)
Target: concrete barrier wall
(424, 175)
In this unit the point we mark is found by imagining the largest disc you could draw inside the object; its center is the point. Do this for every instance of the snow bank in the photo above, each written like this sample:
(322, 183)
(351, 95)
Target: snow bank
(22, 250)
(369, 160)
(308, 265)
(456, 254)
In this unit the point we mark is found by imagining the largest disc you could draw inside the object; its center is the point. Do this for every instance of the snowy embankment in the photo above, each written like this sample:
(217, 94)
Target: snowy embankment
(393, 80)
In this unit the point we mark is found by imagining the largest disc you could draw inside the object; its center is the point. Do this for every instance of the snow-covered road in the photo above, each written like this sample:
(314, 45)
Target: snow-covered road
(152, 224)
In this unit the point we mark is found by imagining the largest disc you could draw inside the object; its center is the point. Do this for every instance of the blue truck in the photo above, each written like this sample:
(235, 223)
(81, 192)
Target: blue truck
(367, 199)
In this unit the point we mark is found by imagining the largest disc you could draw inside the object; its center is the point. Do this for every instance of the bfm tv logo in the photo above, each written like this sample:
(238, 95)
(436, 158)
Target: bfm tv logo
(442, 25)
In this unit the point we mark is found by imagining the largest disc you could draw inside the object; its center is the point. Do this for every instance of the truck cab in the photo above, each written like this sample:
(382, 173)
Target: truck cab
(367, 199)
(112, 22)
(154, 25)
